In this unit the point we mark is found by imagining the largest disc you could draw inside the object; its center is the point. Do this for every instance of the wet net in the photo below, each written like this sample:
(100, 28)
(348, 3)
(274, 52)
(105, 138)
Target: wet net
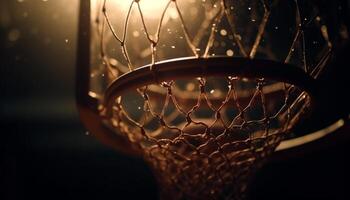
(204, 136)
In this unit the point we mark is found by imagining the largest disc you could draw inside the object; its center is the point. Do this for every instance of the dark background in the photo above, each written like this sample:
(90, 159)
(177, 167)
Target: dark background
(45, 152)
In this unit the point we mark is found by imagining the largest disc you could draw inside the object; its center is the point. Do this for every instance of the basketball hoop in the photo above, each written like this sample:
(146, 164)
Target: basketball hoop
(204, 91)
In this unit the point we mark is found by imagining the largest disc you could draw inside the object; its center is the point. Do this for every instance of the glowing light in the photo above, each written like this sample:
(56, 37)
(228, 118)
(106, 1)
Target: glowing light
(150, 8)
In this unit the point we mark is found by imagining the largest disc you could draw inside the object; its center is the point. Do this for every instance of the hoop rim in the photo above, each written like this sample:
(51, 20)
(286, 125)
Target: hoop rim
(214, 66)
(192, 67)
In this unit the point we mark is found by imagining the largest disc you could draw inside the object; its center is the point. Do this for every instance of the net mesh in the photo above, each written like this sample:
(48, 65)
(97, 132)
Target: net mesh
(207, 147)
(205, 136)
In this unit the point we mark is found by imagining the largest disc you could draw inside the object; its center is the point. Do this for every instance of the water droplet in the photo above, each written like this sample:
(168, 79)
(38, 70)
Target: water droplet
(212, 91)
(223, 32)
(229, 52)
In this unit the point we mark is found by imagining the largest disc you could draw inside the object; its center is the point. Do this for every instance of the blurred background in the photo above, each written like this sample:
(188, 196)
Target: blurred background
(46, 153)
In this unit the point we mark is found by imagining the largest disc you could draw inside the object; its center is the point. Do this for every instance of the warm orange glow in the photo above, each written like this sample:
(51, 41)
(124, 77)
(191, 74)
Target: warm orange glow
(150, 8)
